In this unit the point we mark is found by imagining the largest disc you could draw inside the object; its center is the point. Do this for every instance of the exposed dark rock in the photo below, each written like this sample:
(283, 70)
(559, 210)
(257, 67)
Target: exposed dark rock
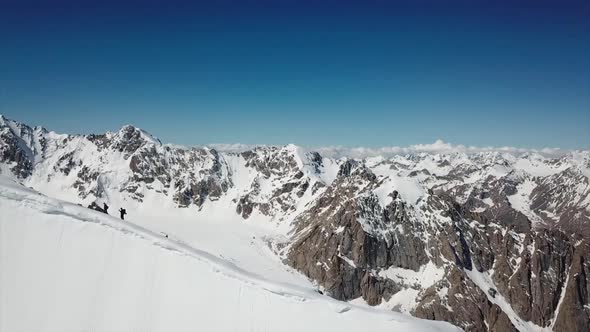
(347, 167)
(574, 312)
(317, 161)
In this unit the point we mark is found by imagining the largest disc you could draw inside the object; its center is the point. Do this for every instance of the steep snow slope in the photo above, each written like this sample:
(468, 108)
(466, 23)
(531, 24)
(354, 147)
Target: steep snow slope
(67, 268)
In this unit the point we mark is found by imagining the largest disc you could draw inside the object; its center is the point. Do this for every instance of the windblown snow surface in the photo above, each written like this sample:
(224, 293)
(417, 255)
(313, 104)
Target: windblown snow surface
(64, 267)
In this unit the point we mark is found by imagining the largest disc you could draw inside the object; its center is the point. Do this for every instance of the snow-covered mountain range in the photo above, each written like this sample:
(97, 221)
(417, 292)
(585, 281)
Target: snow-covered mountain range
(488, 240)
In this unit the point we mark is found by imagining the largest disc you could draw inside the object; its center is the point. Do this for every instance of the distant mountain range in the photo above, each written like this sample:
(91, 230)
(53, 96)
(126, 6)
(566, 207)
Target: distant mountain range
(489, 241)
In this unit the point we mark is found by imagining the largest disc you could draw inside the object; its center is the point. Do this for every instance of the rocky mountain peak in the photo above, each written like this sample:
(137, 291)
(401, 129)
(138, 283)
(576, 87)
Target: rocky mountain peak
(129, 134)
(129, 139)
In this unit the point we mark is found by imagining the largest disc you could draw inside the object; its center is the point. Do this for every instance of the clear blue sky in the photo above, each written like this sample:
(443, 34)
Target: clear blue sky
(365, 73)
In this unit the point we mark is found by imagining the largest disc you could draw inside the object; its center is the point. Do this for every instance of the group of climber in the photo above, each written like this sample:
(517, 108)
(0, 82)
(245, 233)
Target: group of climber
(105, 209)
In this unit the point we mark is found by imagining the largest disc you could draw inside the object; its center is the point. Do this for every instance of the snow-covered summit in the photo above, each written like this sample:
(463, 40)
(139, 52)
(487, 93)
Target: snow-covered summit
(129, 134)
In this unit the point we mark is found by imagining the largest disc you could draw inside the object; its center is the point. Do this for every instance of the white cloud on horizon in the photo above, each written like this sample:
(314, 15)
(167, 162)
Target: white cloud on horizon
(438, 147)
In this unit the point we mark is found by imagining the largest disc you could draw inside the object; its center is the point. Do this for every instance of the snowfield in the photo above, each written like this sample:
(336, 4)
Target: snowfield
(64, 267)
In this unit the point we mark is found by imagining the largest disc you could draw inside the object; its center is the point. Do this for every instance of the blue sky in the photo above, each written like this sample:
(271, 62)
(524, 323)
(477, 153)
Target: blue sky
(366, 73)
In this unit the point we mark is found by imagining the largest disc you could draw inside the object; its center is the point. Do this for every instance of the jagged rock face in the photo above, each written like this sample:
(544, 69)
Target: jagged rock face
(130, 161)
(334, 247)
(567, 195)
(543, 276)
(465, 305)
(129, 139)
(279, 182)
(486, 241)
(196, 174)
(13, 155)
(574, 312)
(17, 146)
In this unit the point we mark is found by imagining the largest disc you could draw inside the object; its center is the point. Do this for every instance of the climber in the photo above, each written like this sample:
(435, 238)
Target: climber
(123, 213)
(105, 208)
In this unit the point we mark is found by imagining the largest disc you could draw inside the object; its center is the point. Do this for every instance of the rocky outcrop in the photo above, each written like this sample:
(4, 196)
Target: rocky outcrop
(563, 199)
(15, 147)
(278, 170)
(465, 305)
(574, 308)
(344, 238)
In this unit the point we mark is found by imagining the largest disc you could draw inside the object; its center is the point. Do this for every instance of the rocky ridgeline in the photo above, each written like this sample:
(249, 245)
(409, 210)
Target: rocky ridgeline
(278, 168)
(486, 241)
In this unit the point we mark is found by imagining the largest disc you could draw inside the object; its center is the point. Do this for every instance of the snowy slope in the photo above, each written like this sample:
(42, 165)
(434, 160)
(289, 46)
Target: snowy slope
(67, 268)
